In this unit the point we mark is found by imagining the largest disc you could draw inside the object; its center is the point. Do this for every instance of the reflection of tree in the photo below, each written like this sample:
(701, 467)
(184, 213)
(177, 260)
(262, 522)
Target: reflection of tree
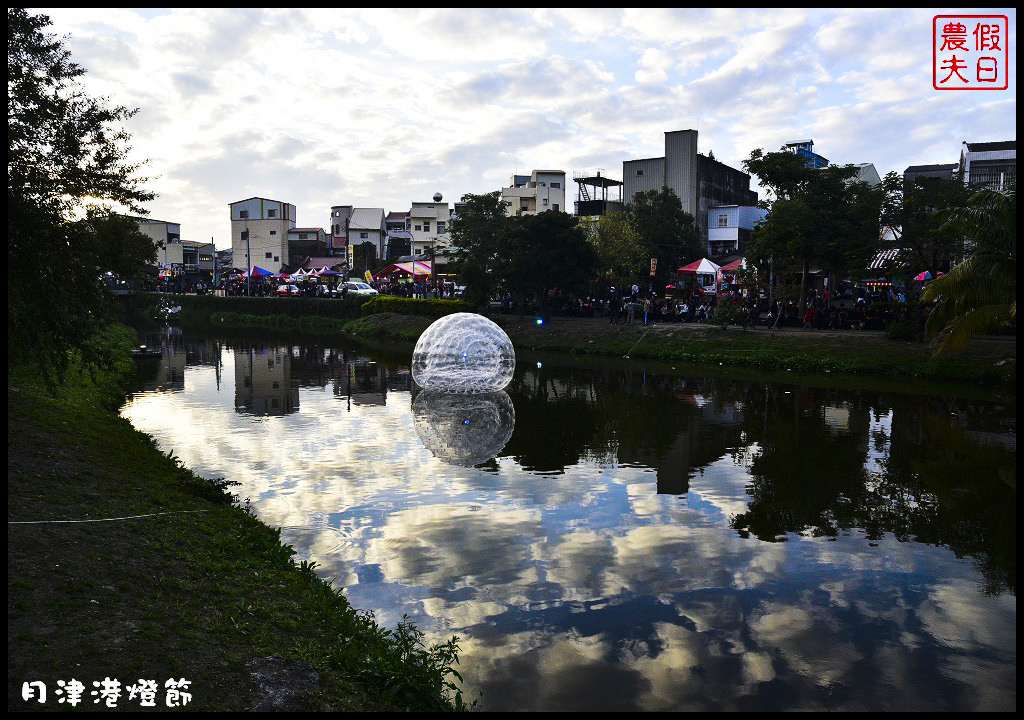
(805, 476)
(937, 483)
(942, 486)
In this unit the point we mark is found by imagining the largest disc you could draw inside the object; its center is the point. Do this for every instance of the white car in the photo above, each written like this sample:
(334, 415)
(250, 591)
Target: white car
(359, 288)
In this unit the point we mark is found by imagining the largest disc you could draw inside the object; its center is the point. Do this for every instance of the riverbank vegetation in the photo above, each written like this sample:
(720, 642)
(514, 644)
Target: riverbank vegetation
(852, 353)
(192, 586)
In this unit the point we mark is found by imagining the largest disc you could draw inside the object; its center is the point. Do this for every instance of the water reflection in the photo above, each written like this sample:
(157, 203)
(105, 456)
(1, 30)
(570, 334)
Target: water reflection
(462, 428)
(625, 549)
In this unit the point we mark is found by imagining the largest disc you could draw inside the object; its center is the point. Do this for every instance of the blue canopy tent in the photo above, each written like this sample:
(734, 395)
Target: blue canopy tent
(257, 271)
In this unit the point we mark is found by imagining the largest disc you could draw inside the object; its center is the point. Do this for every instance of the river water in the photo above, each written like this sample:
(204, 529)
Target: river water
(628, 537)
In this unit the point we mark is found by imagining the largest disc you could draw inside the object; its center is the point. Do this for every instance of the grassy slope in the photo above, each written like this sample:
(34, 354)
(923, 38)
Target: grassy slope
(194, 595)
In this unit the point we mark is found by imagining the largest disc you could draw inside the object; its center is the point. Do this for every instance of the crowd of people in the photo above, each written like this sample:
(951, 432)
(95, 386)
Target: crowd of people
(625, 306)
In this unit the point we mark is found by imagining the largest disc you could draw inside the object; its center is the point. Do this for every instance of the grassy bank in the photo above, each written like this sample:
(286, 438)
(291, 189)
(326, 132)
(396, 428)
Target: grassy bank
(850, 353)
(197, 589)
(988, 362)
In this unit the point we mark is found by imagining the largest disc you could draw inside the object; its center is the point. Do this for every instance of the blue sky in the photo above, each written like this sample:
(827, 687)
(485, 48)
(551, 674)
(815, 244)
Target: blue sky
(379, 108)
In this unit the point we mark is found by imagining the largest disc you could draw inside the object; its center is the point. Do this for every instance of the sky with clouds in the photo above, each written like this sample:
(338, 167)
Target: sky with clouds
(380, 108)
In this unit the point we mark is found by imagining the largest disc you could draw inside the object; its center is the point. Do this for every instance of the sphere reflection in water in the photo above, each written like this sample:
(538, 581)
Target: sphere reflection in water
(464, 429)
(463, 352)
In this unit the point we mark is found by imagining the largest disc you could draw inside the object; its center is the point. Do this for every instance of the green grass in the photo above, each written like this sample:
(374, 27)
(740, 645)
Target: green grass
(195, 594)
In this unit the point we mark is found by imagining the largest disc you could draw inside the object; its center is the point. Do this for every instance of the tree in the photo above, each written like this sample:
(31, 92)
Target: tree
(64, 154)
(980, 293)
(668, 232)
(477, 233)
(546, 251)
(911, 210)
(819, 216)
(620, 252)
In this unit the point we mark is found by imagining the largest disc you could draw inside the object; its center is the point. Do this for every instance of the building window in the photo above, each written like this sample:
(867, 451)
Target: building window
(556, 185)
(555, 206)
(271, 213)
(524, 204)
(243, 214)
(723, 221)
(440, 228)
(364, 235)
(273, 232)
(269, 255)
(303, 236)
(277, 259)
(639, 173)
(426, 227)
(418, 228)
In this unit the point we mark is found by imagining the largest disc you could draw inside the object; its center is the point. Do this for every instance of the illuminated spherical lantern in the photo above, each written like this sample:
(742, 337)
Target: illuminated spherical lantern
(463, 352)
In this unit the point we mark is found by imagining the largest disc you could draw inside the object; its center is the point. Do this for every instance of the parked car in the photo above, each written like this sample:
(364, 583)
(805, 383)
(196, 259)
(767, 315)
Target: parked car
(288, 290)
(359, 288)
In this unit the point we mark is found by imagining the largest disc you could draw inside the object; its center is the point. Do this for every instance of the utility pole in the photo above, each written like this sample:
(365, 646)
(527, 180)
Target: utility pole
(248, 265)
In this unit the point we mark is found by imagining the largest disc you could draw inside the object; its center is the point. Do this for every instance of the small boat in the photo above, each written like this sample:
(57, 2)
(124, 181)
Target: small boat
(142, 352)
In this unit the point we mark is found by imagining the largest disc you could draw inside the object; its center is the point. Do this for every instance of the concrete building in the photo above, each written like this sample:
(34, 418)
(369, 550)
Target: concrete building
(730, 228)
(991, 165)
(188, 260)
(538, 192)
(399, 239)
(592, 194)
(338, 241)
(366, 225)
(700, 181)
(306, 242)
(942, 172)
(259, 232)
(429, 226)
(867, 173)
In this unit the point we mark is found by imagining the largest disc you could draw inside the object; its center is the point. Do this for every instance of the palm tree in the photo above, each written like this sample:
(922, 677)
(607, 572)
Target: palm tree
(980, 293)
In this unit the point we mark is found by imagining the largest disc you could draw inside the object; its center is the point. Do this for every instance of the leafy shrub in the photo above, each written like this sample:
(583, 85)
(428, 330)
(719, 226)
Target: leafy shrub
(728, 314)
(429, 307)
(903, 330)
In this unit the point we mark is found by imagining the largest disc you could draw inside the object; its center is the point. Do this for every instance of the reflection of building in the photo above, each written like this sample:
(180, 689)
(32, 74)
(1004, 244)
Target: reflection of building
(169, 373)
(263, 382)
(364, 382)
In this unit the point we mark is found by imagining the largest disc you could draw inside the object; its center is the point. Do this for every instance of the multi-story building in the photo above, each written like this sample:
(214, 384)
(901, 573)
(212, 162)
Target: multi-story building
(366, 225)
(730, 227)
(429, 226)
(338, 241)
(188, 260)
(537, 192)
(306, 242)
(991, 165)
(700, 181)
(399, 240)
(259, 232)
(942, 172)
(805, 149)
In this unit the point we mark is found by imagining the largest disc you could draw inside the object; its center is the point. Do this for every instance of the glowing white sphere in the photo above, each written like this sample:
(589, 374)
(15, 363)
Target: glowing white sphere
(463, 352)
(464, 429)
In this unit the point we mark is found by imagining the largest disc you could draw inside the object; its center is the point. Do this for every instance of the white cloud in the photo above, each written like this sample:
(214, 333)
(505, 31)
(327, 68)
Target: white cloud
(383, 107)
